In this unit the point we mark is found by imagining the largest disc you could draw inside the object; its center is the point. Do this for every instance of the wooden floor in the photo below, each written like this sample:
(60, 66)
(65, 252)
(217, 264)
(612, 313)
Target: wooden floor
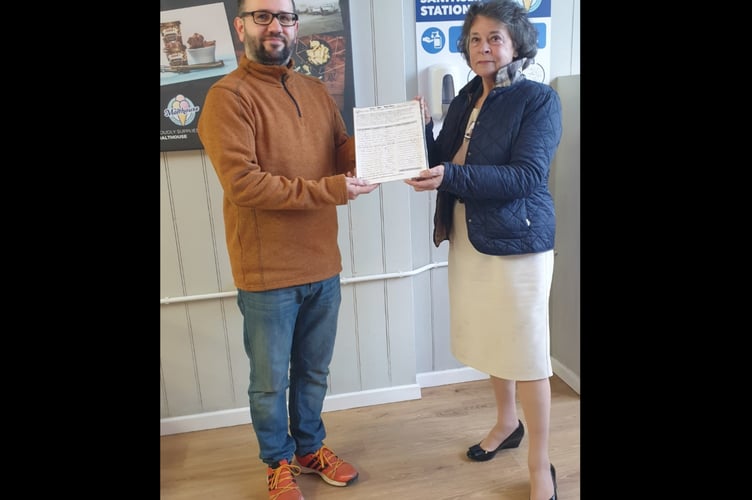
(408, 450)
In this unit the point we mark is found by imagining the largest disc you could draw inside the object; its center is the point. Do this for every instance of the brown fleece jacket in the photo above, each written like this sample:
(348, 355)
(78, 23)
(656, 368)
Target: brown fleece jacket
(280, 148)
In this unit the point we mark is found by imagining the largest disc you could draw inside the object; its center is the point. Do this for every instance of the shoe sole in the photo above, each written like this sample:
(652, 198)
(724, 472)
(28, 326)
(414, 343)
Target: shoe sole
(333, 482)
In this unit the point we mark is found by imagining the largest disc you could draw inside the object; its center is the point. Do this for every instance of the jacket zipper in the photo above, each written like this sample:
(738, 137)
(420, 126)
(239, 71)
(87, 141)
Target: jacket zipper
(284, 85)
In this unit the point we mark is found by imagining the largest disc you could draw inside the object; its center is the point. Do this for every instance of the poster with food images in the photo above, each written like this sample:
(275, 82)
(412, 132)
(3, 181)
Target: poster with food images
(199, 45)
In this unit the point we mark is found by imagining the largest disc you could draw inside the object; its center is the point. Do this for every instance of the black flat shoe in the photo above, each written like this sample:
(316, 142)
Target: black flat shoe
(475, 452)
(553, 477)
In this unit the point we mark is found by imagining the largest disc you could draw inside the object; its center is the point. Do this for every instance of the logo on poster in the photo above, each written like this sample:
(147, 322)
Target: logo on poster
(433, 40)
(181, 110)
(531, 5)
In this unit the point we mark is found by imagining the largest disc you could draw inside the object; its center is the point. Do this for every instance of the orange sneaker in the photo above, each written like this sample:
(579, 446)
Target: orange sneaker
(329, 466)
(281, 481)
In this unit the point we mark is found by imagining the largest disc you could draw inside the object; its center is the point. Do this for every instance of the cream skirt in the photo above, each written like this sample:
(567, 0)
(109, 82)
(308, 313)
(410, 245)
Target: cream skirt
(499, 308)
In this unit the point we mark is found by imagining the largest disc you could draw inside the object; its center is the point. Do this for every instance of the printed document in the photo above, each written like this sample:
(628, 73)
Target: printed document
(390, 141)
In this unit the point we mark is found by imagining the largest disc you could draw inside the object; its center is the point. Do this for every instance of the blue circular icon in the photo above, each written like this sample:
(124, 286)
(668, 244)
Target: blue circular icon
(433, 40)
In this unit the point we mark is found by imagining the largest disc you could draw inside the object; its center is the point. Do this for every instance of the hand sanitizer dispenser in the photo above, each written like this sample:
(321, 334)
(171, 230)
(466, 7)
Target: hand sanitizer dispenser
(444, 81)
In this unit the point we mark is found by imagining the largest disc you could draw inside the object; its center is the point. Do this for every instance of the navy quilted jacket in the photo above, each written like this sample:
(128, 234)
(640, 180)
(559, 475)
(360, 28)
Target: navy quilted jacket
(504, 183)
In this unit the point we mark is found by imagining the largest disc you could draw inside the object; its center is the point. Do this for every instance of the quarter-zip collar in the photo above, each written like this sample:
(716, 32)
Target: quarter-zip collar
(269, 73)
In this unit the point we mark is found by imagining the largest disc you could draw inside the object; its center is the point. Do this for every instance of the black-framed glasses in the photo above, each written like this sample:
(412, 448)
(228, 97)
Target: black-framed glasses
(264, 17)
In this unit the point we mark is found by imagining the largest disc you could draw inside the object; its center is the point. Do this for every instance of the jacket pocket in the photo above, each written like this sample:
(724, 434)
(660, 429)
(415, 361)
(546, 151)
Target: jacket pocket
(505, 221)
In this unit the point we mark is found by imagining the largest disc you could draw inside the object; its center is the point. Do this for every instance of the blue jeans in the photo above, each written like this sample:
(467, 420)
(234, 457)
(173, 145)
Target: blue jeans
(289, 328)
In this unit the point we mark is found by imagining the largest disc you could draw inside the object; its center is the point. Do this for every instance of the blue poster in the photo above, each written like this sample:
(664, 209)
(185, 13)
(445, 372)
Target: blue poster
(454, 10)
(442, 71)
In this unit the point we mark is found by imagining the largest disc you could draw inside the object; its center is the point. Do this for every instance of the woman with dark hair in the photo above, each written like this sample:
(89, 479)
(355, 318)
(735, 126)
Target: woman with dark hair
(492, 161)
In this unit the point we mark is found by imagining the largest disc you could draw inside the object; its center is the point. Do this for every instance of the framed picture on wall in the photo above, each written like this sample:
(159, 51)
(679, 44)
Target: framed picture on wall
(199, 45)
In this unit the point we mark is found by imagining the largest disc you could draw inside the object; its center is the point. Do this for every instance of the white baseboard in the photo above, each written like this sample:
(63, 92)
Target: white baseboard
(204, 421)
(241, 416)
(568, 376)
(467, 374)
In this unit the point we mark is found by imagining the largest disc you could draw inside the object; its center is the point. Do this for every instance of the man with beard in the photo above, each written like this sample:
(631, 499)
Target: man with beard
(279, 146)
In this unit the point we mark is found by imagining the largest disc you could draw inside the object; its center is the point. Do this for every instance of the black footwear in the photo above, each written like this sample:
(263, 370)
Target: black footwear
(553, 476)
(475, 452)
